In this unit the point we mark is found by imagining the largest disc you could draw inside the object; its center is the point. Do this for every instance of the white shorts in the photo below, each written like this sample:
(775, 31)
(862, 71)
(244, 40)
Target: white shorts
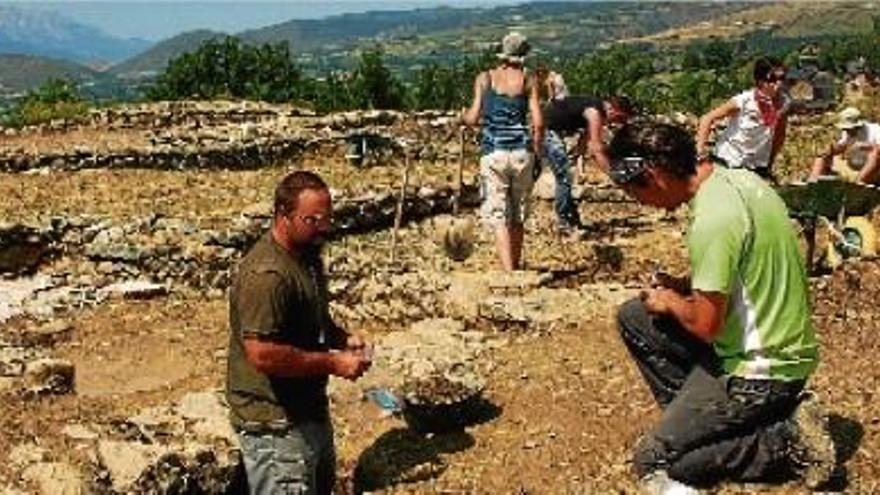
(505, 185)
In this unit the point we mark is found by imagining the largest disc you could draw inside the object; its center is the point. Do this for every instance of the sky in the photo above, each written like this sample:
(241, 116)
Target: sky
(161, 19)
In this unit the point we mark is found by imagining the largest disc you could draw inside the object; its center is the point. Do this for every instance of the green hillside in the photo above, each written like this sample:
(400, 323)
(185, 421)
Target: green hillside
(155, 59)
(439, 34)
(783, 20)
(21, 72)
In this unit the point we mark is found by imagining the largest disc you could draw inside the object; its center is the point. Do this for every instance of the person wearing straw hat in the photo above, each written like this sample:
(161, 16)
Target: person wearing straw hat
(505, 97)
(859, 146)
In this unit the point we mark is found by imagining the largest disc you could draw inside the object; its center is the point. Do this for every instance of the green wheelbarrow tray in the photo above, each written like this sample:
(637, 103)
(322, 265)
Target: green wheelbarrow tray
(829, 197)
(834, 200)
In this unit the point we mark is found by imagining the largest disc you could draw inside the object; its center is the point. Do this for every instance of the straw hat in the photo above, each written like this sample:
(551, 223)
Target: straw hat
(850, 118)
(514, 48)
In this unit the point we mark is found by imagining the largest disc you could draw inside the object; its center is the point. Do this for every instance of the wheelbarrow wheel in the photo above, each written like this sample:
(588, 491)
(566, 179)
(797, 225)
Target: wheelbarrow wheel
(860, 240)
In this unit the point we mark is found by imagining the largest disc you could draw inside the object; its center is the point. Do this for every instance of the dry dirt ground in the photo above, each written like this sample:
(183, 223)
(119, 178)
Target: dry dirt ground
(565, 407)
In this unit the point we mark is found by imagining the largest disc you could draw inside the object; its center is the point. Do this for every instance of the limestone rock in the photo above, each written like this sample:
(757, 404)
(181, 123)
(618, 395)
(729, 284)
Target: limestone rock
(79, 432)
(25, 454)
(55, 478)
(49, 376)
(466, 290)
(545, 186)
(126, 462)
(47, 335)
(136, 289)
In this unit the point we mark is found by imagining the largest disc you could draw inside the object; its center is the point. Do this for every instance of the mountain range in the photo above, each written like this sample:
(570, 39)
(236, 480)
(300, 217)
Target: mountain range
(409, 38)
(49, 34)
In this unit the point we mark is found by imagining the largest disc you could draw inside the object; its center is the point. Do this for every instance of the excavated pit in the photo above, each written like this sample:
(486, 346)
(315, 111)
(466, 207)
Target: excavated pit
(116, 241)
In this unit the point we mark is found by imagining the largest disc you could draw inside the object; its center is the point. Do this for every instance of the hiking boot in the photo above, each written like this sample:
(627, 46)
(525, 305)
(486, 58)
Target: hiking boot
(812, 449)
(659, 483)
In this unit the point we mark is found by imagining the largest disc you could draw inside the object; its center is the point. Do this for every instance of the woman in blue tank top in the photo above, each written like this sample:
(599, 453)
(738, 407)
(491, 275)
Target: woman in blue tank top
(503, 99)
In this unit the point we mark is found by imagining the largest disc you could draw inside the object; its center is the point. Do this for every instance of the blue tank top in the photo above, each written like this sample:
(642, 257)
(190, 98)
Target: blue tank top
(504, 122)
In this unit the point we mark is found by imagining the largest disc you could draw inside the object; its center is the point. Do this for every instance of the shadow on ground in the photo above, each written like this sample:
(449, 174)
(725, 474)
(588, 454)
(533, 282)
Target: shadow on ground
(404, 455)
(847, 434)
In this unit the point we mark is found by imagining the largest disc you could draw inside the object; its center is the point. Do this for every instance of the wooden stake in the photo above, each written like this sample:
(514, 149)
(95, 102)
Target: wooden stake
(456, 205)
(398, 216)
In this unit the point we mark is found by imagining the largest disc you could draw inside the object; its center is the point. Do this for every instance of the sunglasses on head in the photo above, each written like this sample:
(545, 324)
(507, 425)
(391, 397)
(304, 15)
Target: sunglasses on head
(775, 77)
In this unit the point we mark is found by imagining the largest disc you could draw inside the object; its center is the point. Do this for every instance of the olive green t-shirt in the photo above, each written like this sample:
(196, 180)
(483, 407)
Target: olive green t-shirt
(277, 298)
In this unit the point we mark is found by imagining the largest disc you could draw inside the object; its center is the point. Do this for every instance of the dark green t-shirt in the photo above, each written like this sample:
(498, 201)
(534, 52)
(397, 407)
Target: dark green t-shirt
(277, 298)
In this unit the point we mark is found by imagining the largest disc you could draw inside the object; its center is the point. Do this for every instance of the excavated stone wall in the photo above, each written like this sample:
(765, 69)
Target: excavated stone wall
(243, 135)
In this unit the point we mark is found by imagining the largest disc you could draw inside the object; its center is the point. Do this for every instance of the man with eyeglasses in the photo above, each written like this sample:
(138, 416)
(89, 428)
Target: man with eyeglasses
(727, 351)
(284, 345)
(757, 121)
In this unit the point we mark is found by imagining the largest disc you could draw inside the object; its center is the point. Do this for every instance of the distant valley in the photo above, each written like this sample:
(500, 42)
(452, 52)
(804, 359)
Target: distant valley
(34, 47)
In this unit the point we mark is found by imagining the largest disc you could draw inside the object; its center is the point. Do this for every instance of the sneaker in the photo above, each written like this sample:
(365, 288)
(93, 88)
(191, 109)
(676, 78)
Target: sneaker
(659, 483)
(564, 228)
(812, 450)
(568, 229)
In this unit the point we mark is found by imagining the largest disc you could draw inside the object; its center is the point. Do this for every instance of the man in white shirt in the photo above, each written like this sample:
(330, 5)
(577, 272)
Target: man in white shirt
(858, 146)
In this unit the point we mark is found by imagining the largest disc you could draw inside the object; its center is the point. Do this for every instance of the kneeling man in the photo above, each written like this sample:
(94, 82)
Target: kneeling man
(727, 353)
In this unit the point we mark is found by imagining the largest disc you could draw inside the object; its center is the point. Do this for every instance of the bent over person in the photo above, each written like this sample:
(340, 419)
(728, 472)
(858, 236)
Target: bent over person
(586, 115)
(859, 146)
(281, 347)
(504, 98)
(726, 355)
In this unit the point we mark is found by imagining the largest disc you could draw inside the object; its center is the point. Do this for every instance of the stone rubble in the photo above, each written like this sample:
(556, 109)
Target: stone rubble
(438, 365)
(56, 478)
(233, 135)
(186, 447)
(27, 372)
(173, 250)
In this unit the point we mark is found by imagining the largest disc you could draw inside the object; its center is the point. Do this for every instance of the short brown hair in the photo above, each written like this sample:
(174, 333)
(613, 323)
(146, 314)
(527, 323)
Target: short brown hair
(665, 146)
(288, 190)
(623, 105)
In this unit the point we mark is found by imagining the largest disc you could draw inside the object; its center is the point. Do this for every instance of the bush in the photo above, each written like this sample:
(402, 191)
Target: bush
(229, 68)
(55, 99)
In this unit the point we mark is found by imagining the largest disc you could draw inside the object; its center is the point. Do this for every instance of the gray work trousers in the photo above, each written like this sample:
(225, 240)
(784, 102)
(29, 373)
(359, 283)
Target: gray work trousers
(714, 426)
(299, 460)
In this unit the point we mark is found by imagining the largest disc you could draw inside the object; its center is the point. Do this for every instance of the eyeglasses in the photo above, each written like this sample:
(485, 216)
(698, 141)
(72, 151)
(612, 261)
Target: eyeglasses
(316, 220)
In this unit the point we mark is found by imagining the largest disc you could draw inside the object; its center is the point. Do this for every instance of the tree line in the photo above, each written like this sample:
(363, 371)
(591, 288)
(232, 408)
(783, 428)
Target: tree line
(690, 79)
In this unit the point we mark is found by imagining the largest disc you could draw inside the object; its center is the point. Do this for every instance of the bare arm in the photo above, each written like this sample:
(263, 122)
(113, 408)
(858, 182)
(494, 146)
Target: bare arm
(700, 313)
(537, 118)
(778, 138)
(283, 360)
(707, 122)
(471, 116)
(592, 139)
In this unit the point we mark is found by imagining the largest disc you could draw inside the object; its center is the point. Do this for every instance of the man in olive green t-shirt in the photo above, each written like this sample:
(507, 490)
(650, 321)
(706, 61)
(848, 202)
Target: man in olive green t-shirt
(727, 353)
(283, 346)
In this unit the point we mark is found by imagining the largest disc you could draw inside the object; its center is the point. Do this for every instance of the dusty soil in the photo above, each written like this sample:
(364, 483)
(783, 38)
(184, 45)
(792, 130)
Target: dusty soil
(564, 408)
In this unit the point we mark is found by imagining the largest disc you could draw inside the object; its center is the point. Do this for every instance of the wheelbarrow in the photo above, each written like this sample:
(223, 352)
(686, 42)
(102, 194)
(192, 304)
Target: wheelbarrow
(843, 208)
